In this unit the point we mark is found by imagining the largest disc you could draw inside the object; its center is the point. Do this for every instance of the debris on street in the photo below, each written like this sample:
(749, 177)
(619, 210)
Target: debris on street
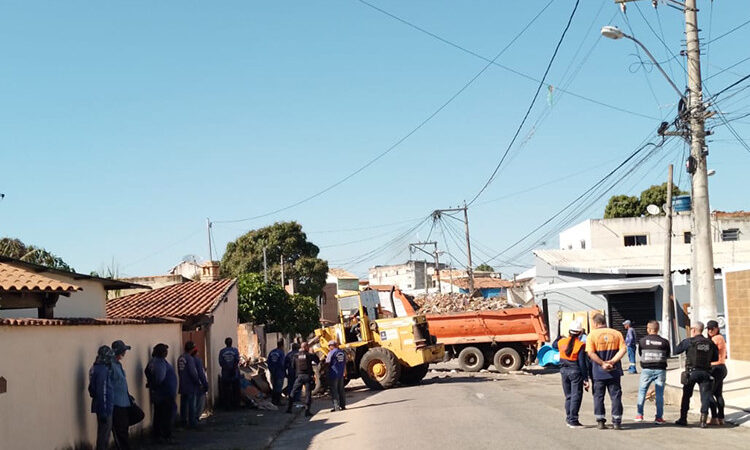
(455, 302)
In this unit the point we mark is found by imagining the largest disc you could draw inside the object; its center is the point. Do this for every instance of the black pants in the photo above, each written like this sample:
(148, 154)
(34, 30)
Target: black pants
(163, 418)
(338, 394)
(611, 385)
(307, 382)
(229, 392)
(703, 379)
(572, 382)
(120, 425)
(718, 372)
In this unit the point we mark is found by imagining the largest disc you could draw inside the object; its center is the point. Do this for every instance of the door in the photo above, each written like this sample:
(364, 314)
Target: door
(637, 307)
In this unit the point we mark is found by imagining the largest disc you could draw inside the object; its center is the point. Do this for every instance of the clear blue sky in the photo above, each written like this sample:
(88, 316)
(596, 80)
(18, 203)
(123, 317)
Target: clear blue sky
(125, 124)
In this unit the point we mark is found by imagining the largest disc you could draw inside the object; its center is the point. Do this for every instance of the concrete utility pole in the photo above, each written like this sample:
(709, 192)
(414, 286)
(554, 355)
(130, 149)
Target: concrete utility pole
(282, 270)
(208, 231)
(702, 272)
(666, 302)
(265, 266)
(470, 270)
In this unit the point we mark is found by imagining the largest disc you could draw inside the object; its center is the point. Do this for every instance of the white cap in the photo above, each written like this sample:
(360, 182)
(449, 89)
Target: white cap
(576, 326)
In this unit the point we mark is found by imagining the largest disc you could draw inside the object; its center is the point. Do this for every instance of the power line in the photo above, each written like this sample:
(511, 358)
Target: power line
(506, 68)
(731, 86)
(531, 105)
(403, 138)
(728, 32)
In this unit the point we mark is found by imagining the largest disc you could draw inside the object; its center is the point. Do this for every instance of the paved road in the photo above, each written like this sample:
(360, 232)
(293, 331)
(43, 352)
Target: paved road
(489, 410)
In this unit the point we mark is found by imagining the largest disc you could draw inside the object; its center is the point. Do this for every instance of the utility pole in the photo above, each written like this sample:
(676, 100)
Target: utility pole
(282, 270)
(435, 254)
(265, 266)
(702, 272)
(666, 302)
(469, 268)
(208, 231)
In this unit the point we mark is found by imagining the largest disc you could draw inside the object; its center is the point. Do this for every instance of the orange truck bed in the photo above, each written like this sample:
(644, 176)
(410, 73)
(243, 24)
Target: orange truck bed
(518, 325)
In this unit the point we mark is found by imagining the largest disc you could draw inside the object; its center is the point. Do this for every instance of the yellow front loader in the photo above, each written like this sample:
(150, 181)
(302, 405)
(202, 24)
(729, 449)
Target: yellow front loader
(381, 351)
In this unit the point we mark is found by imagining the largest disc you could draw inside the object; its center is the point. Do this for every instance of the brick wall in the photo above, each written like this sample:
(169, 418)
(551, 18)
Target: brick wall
(738, 314)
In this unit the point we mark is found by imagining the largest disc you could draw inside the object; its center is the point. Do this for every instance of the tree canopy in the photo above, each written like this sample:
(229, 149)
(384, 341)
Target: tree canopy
(484, 267)
(301, 262)
(632, 206)
(269, 304)
(14, 248)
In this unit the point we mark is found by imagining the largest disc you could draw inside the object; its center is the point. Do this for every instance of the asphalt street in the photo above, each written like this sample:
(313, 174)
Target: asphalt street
(489, 410)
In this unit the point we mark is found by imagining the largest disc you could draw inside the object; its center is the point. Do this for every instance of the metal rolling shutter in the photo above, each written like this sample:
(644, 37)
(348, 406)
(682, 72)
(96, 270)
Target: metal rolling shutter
(638, 307)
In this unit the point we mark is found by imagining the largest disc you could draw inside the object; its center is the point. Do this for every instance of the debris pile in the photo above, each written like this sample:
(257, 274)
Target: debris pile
(254, 385)
(454, 302)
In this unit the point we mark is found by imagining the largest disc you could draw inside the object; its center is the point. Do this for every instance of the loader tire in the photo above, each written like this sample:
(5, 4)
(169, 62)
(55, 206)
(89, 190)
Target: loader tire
(379, 369)
(412, 376)
(471, 359)
(507, 359)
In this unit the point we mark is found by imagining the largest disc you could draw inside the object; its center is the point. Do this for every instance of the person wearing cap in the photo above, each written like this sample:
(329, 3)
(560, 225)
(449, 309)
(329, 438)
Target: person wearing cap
(120, 397)
(700, 352)
(631, 341)
(276, 368)
(654, 351)
(161, 382)
(336, 360)
(190, 386)
(574, 370)
(101, 391)
(606, 347)
(718, 373)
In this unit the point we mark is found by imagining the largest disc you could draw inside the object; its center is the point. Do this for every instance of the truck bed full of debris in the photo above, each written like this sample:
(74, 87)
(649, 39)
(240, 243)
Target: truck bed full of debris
(454, 303)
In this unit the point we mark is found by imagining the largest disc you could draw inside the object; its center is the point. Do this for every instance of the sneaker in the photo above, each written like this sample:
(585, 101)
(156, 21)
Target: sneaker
(616, 426)
(333, 410)
(681, 422)
(639, 418)
(575, 425)
(600, 424)
(659, 421)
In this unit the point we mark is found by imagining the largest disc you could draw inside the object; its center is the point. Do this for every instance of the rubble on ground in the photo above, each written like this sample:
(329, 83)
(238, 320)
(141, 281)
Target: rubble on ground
(455, 302)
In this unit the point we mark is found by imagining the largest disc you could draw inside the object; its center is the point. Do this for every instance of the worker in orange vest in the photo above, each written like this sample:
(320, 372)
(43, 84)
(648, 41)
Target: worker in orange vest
(574, 369)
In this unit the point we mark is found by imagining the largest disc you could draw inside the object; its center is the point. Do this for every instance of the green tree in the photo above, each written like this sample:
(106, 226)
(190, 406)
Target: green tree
(622, 206)
(306, 314)
(485, 268)
(657, 195)
(301, 262)
(14, 248)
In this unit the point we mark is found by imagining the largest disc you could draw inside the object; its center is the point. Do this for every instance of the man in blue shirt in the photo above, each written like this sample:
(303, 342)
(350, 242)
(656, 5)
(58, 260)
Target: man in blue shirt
(631, 341)
(229, 360)
(336, 360)
(200, 399)
(190, 385)
(276, 368)
(120, 397)
(101, 392)
(161, 381)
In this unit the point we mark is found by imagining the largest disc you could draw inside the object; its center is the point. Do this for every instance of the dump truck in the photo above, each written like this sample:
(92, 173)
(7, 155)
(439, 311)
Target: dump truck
(380, 351)
(506, 338)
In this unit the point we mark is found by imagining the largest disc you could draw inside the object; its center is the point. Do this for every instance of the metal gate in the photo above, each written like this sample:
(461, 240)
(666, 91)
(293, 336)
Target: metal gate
(638, 307)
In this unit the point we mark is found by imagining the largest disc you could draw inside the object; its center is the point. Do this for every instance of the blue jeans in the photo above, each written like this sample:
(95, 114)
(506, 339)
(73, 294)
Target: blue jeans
(188, 409)
(648, 376)
(631, 358)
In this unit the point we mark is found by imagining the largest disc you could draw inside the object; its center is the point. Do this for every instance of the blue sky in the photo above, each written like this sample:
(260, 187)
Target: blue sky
(125, 124)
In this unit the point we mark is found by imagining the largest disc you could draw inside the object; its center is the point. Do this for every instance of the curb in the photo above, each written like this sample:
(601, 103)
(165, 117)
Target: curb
(296, 412)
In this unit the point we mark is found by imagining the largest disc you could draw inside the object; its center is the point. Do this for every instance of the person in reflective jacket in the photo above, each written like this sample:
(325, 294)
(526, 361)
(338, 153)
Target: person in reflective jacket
(574, 370)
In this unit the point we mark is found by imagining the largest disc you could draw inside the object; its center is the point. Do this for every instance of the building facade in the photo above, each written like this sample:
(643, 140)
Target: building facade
(410, 276)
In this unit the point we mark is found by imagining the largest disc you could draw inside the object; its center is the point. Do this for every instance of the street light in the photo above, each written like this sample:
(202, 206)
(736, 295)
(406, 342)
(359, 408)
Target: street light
(613, 32)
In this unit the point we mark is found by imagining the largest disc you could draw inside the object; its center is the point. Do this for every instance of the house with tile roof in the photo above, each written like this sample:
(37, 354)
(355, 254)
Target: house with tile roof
(207, 309)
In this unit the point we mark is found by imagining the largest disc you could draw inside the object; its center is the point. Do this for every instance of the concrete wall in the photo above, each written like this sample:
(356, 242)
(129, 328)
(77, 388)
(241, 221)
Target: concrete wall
(47, 403)
(224, 325)
(576, 237)
(90, 302)
(154, 282)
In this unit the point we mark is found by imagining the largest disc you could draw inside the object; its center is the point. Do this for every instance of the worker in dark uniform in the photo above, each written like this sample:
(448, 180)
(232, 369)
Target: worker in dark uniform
(275, 362)
(304, 362)
(290, 373)
(229, 385)
(700, 352)
(574, 369)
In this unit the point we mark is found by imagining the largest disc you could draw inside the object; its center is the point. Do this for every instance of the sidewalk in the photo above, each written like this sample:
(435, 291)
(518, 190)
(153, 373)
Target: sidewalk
(245, 428)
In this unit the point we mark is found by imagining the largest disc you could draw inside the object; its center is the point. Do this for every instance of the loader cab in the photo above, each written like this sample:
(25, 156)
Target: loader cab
(357, 314)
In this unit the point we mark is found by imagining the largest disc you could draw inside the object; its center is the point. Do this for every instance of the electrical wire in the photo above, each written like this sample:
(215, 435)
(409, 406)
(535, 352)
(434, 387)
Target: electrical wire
(531, 104)
(728, 32)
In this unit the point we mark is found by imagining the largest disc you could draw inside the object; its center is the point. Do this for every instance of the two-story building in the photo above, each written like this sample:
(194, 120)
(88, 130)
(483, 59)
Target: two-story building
(410, 277)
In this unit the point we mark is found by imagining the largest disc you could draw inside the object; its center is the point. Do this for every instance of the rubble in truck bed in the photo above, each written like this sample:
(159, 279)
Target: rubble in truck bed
(454, 302)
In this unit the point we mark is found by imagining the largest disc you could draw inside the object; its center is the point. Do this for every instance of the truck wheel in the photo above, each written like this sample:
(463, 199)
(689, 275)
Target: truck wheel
(412, 376)
(379, 368)
(507, 359)
(471, 359)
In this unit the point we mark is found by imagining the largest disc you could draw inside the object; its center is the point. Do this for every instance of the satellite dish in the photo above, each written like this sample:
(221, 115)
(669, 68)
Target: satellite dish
(653, 210)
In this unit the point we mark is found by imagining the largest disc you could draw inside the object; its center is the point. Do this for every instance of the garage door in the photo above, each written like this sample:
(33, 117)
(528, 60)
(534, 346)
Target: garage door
(638, 307)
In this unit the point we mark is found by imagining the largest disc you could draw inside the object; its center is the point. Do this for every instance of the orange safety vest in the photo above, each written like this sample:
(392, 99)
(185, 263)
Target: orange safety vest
(562, 344)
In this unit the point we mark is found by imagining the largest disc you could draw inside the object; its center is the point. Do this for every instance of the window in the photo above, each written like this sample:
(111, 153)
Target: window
(583, 244)
(686, 236)
(636, 239)
(730, 234)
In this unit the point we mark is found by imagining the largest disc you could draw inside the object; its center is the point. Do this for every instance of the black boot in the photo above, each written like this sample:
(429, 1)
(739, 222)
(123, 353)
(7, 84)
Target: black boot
(704, 419)
(682, 421)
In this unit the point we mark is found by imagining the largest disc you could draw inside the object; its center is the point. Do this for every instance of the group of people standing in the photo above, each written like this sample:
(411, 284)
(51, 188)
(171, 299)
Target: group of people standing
(594, 361)
(298, 369)
(115, 408)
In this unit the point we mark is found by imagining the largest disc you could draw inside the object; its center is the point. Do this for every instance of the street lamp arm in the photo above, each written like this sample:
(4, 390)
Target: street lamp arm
(656, 63)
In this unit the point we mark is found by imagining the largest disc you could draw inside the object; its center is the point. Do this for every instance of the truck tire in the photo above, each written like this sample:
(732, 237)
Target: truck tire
(507, 359)
(412, 376)
(379, 369)
(471, 359)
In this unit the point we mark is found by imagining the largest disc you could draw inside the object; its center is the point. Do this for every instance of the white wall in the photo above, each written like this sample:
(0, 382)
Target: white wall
(224, 326)
(90, 302)
(47, 404)
(572, 237)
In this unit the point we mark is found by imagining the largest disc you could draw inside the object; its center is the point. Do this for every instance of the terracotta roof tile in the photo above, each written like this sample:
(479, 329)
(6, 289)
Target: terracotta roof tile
(182, 300)
(19, 278)
(30, 322)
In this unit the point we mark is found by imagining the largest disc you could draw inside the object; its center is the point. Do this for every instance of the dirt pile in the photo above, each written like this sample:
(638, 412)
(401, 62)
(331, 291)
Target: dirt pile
(454, 302)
